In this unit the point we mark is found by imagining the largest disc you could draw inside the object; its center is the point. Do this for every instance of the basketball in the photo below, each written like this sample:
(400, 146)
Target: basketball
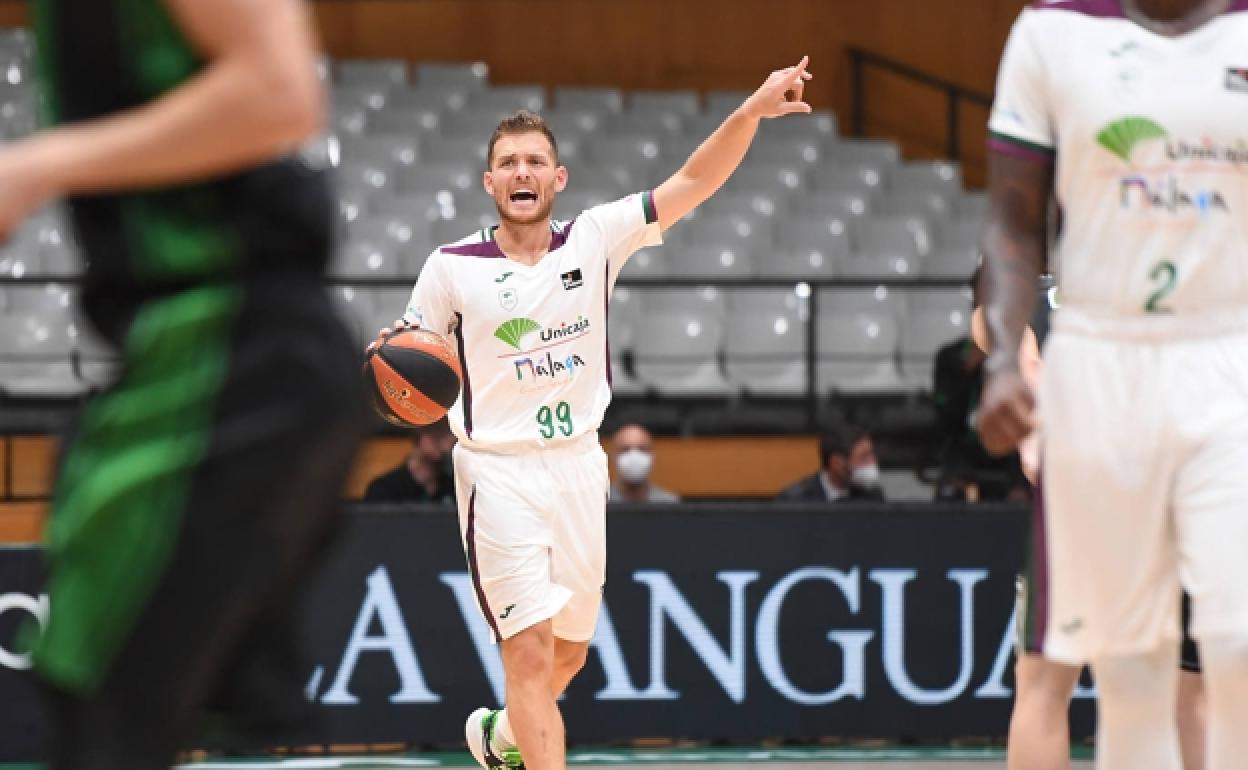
(413, 377)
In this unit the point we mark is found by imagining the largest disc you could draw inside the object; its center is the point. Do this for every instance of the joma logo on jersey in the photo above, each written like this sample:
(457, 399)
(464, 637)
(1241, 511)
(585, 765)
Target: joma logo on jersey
(515, 331)
(1137, 192)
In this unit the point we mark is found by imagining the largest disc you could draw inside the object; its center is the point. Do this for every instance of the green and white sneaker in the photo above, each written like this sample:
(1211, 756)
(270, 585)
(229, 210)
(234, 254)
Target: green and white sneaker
(479, 732)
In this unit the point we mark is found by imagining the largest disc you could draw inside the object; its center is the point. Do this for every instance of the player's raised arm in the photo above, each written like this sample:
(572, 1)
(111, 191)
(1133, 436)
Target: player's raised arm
(715, 159)
(256, 96)
(1014, 256)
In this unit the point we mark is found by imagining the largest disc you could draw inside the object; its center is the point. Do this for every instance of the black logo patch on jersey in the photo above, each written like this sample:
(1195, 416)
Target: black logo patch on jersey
(1237, 79)
(572, 279)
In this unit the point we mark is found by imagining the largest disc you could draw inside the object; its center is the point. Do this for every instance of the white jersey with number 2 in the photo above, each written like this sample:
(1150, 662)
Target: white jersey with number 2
(532, 340)
(1150, 135)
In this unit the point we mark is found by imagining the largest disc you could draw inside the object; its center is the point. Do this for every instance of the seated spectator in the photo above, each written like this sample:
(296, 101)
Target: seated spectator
(967, 472)
(849, 470)
(425, 475)
(633, 450)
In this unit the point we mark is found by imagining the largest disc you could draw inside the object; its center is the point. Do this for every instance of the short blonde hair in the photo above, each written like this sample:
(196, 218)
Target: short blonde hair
(521, 122)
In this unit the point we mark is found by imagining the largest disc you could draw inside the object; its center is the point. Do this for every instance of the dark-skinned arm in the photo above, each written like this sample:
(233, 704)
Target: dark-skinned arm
(1014, 248)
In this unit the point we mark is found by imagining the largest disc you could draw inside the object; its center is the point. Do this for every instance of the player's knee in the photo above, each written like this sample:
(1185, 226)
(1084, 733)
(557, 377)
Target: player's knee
(571, 658)
(528, 657)
(1044, 686)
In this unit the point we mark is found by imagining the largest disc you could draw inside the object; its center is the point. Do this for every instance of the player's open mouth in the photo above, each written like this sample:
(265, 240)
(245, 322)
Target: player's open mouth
(524, 196)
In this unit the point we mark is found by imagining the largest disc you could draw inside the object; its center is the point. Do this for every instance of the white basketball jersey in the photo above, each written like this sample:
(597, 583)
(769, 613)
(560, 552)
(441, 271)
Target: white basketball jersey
(532, 339)
(1150, 135)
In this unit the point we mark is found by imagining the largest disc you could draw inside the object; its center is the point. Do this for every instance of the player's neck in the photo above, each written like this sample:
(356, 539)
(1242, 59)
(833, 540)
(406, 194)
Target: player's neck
(524, 243)
(1173, 17)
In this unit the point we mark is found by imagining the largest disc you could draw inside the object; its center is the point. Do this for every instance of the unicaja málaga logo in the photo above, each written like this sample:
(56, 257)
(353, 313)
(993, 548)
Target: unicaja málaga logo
(1122, 136)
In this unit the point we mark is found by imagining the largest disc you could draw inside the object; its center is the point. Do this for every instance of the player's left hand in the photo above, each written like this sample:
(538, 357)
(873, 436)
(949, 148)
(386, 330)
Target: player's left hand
(781, 93)
(22, 189)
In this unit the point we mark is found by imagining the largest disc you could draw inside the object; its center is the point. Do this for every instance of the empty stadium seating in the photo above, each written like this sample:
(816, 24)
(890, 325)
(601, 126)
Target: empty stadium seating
(407, 143)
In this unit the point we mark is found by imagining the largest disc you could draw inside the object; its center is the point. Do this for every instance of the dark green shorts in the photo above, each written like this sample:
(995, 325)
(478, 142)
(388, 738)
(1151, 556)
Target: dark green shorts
(190, 503)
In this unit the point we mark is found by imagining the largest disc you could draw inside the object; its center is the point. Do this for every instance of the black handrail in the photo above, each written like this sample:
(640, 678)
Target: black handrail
(860, 60)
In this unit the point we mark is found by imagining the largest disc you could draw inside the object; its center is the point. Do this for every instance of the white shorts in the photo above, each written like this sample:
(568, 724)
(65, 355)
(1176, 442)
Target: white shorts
(534, 531)
(1145, 484)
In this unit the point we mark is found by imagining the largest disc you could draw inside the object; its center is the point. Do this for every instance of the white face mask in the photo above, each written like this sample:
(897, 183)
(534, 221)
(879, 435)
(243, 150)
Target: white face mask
(634, 465)
(866, 476)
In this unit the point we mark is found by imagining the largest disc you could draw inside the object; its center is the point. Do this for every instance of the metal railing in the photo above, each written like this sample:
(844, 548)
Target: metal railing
(861, 60)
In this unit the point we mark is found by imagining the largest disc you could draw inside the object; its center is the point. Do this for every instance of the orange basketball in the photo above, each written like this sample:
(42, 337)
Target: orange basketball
(413, 377)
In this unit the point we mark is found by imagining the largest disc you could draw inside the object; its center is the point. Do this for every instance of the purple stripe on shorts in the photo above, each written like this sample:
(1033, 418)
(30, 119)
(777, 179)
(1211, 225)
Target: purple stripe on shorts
(1040, 572)
(1101, 9)
(1018, 149)
(463, 366)
(606, 314)
(471, 538)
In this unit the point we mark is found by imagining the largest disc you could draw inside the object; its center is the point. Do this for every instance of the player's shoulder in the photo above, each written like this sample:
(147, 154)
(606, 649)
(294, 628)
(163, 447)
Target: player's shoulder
(636, 202)
(479, 244)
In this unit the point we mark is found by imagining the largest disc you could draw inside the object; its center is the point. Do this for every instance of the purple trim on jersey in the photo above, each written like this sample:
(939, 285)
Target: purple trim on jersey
(1016, 148)
(488, 249)
(559, 238)
(647, 204)
(463, 366)
(1100, 9)
(1239, 6)
(1039, 624)
(470, 540)
(606, 315)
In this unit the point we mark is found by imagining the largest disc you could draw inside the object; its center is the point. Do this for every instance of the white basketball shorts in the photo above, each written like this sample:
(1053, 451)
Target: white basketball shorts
(534, 532)
(1145, 484)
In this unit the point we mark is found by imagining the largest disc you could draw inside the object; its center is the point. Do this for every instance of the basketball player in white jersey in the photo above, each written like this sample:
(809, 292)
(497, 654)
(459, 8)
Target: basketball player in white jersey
(1134, 111)
(526, 304)
(1039, 737)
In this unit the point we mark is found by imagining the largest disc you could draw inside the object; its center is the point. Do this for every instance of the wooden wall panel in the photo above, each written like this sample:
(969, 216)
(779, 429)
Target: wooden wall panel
(701, 44)
(34, 463)
(22, 522)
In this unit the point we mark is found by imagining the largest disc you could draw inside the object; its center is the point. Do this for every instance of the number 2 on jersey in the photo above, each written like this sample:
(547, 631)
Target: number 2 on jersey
(1167, 273)
(560, 418)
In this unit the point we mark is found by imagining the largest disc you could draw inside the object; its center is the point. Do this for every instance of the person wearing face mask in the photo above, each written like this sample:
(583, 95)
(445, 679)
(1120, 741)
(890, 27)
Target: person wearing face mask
(849, 470)
(633, 450)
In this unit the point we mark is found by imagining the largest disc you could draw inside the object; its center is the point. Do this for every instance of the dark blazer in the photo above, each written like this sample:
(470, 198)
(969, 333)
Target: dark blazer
(810, 490)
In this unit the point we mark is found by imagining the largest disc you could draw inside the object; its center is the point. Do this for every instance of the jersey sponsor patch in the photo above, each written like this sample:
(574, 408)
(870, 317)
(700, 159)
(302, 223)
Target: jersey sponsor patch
(572, 279)
(1237, 79)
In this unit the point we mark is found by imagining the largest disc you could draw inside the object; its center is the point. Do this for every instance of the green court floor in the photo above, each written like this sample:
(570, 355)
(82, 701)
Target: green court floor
(839, 758)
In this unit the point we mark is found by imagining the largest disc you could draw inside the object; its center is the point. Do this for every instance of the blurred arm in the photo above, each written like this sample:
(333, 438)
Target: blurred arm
(1014, 252)
(256, 98)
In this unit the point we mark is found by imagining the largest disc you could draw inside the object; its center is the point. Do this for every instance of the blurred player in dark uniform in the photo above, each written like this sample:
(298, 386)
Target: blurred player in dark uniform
(199, 487)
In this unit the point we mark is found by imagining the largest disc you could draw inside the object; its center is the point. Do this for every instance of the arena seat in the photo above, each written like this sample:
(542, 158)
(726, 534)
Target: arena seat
(834, 203)
(807, 248)
(647, 263)
(683, 103)
(381, 150)
(856, 351)
(470, 75)
(598, 99)
(677, 353)
(370, 72)
(864, 152)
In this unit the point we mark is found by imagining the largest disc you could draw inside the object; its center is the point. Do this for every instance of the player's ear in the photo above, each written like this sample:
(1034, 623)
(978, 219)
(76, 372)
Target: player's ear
(561, 178)
(488, 182)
